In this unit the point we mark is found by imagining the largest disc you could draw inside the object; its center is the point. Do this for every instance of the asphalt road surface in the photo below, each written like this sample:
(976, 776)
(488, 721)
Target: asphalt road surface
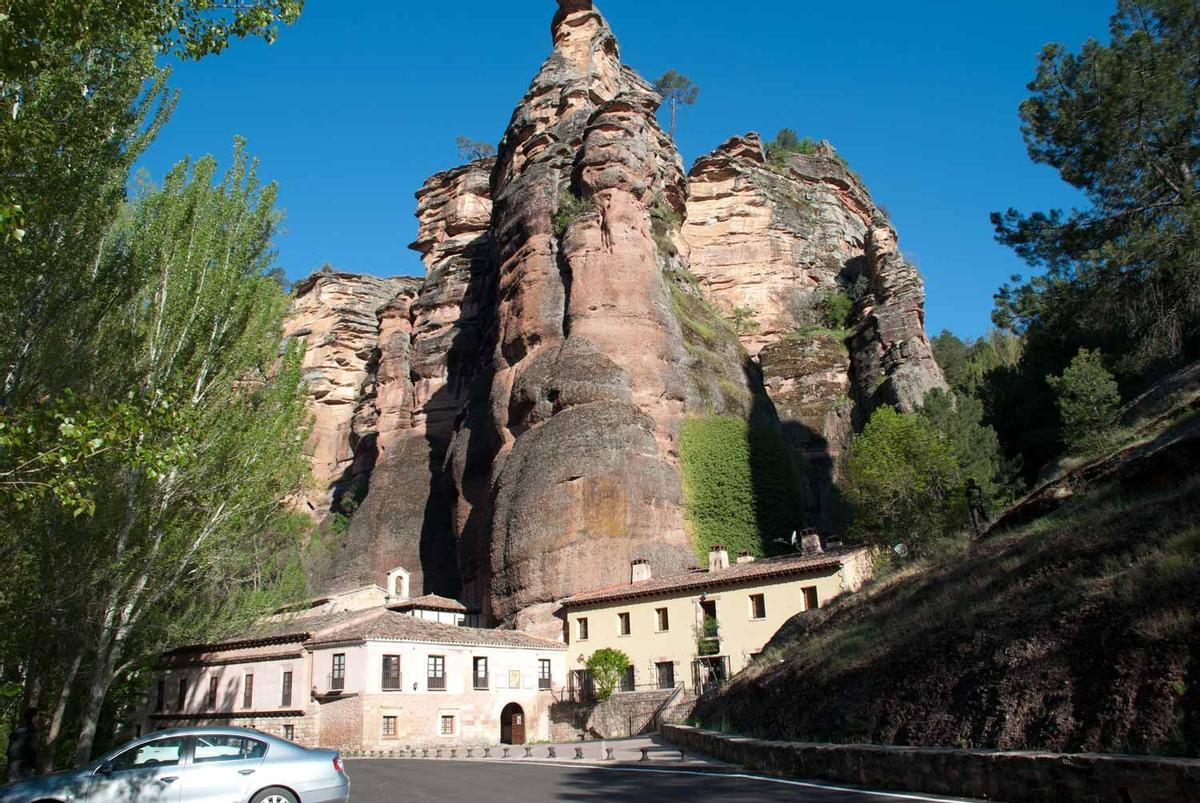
(417, 781)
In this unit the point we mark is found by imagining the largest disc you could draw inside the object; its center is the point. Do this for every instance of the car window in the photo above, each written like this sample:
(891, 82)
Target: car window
(158, 753)
(226, 748)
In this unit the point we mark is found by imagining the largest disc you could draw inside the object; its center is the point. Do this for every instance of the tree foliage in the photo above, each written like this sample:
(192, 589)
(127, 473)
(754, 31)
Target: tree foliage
(903, 480)
(739, 484)
(188, 355)
(472, 149)
(33, 31)
(1118, 121)
(1087, 399)
(676, 90)
(785, 142)
(607, 666)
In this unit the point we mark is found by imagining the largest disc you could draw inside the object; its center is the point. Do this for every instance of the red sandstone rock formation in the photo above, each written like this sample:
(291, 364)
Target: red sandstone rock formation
(768, 239)
(335, 314)
(567, 464)
(509, 426)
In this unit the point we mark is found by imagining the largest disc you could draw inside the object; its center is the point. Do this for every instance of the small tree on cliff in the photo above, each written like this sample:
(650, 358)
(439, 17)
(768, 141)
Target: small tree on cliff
(676, 89)
(472, 149)
(607, 666)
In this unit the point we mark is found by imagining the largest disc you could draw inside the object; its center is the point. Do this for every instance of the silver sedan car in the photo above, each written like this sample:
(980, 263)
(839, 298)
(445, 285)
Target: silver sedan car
(196, 765)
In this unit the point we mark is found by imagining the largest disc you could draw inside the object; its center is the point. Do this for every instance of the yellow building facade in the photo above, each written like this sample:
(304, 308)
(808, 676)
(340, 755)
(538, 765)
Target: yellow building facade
(702, 626)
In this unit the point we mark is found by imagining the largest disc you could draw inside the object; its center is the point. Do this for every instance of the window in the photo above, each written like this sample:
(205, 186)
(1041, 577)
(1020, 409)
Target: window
(210, 749)
(391, 673)
(758, 606)
(711, 627)
(289, 731)
(389, 727)
(181, 700)
(627, 679)
(810, 598)
(436, 675)
(212, 692)
(481, 673)
(623, 618)
(285, 699)
(248, 692)
(447, 724)
(159, 753)
(337, 680)
(582, 628)
(160, 696)
(665, 671)
(585, 688)
(664, 621)
(544, 678)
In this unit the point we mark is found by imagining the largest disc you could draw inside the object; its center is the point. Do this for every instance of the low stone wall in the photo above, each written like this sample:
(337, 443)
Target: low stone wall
(1027, 777)
(623, 715)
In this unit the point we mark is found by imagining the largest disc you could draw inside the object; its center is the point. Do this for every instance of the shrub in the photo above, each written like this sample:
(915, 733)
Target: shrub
(835, 308)
(664, 222)
(740, 486)
(785, 142)
(1087, 398)
(742, 320)
(570, 208)
(607, 666)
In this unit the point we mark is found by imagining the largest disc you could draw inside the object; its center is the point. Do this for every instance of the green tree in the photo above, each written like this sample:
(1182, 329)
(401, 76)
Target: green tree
(787, 141)
(903, 479)
(1118, 121)
(32, 31)
(1088, 400)
(958, 419)
(192, 355)
(472, 149)
(607, 666)
(676, 90)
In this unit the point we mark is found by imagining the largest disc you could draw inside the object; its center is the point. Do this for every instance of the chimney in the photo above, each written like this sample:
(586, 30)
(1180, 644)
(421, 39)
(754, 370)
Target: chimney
(639, 571)
(718, 557)
(810, 543)
(745, 557)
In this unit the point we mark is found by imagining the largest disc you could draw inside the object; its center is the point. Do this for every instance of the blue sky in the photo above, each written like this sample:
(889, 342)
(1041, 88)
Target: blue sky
(361, 100)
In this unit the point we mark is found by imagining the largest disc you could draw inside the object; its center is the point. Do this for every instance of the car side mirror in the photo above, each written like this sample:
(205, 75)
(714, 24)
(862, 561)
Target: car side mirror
(105, 769)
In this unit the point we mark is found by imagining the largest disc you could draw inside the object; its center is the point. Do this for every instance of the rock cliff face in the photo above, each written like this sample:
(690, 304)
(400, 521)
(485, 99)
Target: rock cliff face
(769, 239)
(567, 465)
(508, 428)
(336, 315)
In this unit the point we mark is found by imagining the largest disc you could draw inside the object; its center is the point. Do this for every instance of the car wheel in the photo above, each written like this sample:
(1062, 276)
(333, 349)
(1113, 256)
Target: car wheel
(274, 794)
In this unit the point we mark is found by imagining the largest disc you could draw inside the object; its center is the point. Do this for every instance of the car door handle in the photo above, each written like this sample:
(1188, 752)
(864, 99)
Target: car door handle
(168, 780)
(245, 772)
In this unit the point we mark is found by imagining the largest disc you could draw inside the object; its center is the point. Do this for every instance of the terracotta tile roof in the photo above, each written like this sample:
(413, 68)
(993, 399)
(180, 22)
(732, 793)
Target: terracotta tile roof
(701, 579)
(385, 624)
(429, 602)
(282, 630)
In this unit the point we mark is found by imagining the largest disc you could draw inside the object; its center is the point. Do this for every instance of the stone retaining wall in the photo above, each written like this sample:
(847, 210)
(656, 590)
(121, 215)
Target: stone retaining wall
(1027, 777)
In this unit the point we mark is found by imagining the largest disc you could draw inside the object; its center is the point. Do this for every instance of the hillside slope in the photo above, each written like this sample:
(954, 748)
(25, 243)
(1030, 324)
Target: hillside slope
(1074, 628)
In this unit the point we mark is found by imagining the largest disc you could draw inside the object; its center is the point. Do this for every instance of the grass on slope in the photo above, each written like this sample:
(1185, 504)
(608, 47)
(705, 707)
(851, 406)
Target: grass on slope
(1076, 631)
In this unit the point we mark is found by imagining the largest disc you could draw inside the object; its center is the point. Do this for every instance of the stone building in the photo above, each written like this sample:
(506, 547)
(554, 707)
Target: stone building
(369, 669)
(699, 627)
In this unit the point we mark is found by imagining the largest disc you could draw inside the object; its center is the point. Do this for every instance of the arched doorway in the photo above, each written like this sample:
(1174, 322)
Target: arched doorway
(512, 724)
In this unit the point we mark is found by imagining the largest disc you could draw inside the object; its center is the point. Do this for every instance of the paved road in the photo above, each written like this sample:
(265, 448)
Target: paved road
(417, 781)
